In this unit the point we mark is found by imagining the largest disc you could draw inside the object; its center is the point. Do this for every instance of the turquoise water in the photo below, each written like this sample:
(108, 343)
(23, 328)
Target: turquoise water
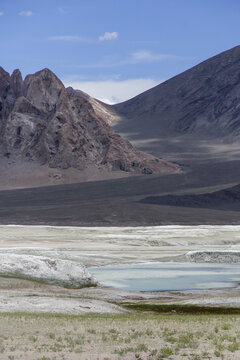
(168, 276)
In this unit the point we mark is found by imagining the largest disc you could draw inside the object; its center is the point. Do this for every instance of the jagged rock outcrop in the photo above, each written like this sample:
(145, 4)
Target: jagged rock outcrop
(42, 121)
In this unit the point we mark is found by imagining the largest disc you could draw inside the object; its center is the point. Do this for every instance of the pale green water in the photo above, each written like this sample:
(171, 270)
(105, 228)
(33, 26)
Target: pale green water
(168, 276)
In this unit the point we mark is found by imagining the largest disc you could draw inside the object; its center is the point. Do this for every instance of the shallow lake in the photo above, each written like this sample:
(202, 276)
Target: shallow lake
(168, 276)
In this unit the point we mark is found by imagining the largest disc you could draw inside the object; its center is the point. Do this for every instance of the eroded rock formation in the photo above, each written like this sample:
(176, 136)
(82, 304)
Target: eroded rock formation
(42, 121)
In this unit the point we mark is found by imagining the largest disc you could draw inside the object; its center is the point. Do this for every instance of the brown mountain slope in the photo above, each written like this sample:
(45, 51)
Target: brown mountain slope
(202, 101)
(64, 131)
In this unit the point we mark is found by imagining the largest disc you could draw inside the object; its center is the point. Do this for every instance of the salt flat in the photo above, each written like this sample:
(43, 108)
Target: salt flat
(95, 246)
(100, 246)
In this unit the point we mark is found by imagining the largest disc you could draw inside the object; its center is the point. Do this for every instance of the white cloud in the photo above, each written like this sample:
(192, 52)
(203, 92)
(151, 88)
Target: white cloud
(61, 10)
(26, 13)
(70, 38)
(1, 13)
(108, 36)
(113, 91)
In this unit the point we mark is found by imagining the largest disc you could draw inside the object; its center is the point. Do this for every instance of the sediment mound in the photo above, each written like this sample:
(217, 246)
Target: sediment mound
(54, 271)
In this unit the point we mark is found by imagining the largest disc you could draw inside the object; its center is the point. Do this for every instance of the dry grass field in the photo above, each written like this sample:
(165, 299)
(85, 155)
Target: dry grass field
(109, 337)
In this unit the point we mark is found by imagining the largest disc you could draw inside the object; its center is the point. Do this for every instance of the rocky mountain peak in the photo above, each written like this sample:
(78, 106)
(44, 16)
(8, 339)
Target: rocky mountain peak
(43, 89)
(42, 122)
(4, 82)
(16, 82)
(7, 96)
(3, 73)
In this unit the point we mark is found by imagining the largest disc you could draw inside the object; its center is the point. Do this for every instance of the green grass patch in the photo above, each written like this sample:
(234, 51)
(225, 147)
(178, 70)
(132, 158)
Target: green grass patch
(182, 309)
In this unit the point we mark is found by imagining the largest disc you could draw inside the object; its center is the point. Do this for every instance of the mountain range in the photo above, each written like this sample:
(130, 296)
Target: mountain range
(180, 138)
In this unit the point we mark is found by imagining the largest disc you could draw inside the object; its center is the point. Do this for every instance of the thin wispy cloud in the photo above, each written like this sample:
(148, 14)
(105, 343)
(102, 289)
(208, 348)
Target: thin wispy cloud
(108, 36)
(61, 10)
(148, 56)
(151, 42)
(1, 13)
(70, 38)
(26, 13)
(138, 57)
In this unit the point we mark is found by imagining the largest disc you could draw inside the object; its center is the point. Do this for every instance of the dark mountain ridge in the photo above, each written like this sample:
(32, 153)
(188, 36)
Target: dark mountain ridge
(226, 199)
(202, 101)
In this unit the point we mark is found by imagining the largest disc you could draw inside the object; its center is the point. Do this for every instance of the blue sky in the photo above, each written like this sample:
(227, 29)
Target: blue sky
(115, 49)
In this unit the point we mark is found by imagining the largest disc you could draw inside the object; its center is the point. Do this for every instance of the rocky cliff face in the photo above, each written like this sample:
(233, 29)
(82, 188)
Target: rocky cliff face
(42, 121)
